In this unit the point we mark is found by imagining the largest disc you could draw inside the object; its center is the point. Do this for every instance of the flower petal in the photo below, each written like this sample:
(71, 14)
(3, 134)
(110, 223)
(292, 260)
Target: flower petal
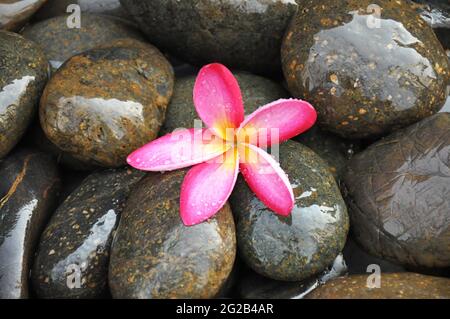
(277, 122)
(218, 99)
(182, 148)
(206, 188)
(266, 179)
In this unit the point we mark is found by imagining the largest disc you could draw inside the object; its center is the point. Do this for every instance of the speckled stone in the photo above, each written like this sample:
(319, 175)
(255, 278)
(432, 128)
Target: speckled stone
(399, 197)
(105, 103)
(60, 42)
(15, 13)
(155, 256)
(256, 91)
(305, 243)
(37, 138)
(240, 34)
(29, 185)
(74, 248)
(336, 151)
(365, 80)
(55, 8)
(393, 286)
(254, 286)
(23, 73)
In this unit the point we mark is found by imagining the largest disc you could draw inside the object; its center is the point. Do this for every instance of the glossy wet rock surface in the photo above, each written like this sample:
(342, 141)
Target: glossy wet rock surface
(15, 13)
(446, 107)
(60, 42)
(256, 91)
(241, 34)
(399, 197)
(359, 261)
(365, 80)
(105, 103)
(437, 14)
(336, 151)
(254, 286)
(155, 256)
(393, 286)
(74, 248)
(29, 185)
(23, 73)
(305, 243)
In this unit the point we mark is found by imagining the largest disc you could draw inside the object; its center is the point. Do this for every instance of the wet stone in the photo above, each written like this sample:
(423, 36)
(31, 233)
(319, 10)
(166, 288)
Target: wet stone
(398, 195)
(73, 254)
(15, 13)
(336, 151)
(437, 14)
(23, 73)
(240, 34)
(38, 138)
(254, 286)
(365, 80)
(61, 42)
(360, 262)
(256, 91)
(105, 103)
(305, 243)
(55, 8)
(155, 256)
(393, 286)
(29, 185)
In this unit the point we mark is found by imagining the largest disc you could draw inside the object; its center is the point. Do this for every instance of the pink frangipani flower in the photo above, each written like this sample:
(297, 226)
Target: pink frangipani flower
(230, 144)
